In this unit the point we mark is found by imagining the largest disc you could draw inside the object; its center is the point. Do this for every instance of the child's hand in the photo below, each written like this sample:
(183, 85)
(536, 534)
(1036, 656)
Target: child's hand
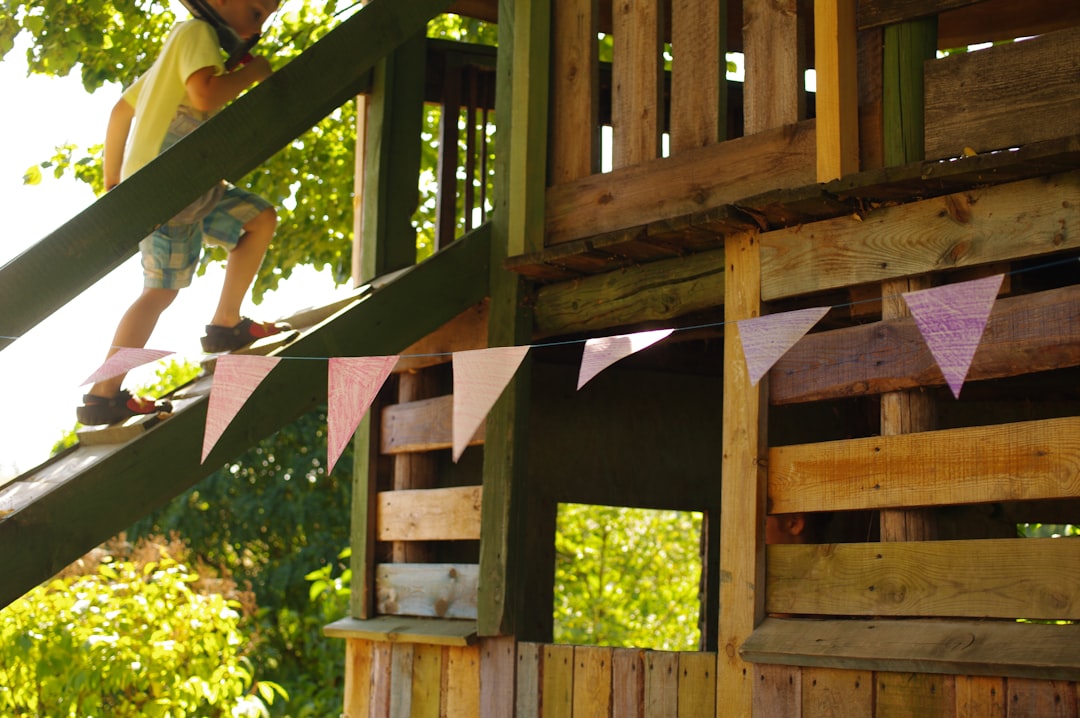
(259, 67)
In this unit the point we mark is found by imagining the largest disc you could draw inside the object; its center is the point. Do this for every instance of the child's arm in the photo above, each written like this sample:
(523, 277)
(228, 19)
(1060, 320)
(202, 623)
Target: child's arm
(116, 134)
(209, 92)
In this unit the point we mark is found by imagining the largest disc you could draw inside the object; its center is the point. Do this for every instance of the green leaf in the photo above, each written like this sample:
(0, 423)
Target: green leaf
(32, 176)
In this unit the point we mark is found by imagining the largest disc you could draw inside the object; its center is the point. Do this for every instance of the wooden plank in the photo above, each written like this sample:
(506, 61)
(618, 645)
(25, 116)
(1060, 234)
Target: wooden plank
(498, 658)
(994, 648)
(1021, 461)
(592, 682)
(557, 681)
(422, 425)
(777, 690)
(698, 74)
(900, 695)
(75, 503)
(467, 330)
(1014, 94)
(980, 697)
(996, 20)
(527, 700)
(427, 668)
(773, 81)
(381, 679)
(989, 578)
(1046, 699)
(661, 684)
(876, 13)
(363, 523)
(1024, 334)
(86, 248)
(434, 590)
(837, 101)
(415, 470)
(358, 655)
(833, 693)
(1024, 219)
(697, 684)
(628, 683)
(689, 182)
(396, 629)
(401, 680)
(461, 682)
(575, 90)
(449, 514)
(649, 292)
(637, 108)
(744, 437)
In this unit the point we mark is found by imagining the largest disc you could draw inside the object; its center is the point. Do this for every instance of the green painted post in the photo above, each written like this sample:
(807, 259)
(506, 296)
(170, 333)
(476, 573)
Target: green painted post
(907, 45)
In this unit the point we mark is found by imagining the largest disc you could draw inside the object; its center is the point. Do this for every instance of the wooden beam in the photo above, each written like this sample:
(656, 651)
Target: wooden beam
(421, 425)
(1024, 334)
(837, 102)
(467, 330)
(404, 629)
(100, 238)
(991, 578)
(414, 470)
(1024, 219)
(977, 648)
(80, 500)
(450, 514)
(434, 590)
(1022, 461)
(742, 519)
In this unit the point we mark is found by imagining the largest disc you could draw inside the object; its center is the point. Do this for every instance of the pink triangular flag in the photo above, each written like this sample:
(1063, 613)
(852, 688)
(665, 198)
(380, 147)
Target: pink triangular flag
(235, 377)
(766, 339)
(602, 352)
(952, 319)
(352, 384)
(124, 360)
(480, 375)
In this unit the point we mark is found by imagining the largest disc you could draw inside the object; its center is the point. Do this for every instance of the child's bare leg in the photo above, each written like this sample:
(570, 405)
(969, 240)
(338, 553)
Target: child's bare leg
(134, 331)
(244, 261)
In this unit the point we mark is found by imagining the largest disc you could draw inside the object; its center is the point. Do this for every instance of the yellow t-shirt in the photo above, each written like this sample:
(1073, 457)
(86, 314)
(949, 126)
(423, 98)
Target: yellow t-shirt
(159, 95)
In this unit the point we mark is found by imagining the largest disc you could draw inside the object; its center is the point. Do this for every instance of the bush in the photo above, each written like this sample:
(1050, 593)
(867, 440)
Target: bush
(127, 637)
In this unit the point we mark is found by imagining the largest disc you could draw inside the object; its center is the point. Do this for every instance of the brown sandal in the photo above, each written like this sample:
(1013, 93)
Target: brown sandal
(105, 410)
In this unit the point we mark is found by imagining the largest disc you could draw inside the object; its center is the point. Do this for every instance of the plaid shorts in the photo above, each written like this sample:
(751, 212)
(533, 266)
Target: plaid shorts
(171, 253)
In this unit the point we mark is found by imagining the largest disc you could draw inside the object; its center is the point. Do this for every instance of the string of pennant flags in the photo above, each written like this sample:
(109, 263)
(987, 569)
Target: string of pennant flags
(951, 319)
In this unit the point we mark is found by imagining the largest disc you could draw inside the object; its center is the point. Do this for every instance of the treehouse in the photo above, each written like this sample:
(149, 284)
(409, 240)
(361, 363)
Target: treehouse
(640, 191)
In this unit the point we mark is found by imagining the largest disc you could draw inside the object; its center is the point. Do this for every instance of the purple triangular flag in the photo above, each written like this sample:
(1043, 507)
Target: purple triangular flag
(480, 375)
(235, 377)
(352, 384)
(766, 339)
(952, 319)
(124, 360)
(602, 352)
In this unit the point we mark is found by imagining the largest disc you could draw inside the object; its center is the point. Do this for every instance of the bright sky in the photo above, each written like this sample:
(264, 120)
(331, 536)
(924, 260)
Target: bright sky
(40, 373)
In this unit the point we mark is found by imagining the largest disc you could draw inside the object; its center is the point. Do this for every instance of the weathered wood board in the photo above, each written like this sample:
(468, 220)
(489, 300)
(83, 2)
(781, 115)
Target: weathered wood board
(449, 514)
(429, 590)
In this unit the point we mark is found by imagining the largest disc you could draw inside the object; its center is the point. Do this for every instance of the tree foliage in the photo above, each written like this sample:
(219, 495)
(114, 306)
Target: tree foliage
(128, 636)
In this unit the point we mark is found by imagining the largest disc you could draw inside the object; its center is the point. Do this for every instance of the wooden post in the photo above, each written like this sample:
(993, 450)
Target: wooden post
(517, 224)
(414, 470)
(906, 46)
(837, 89)
(637, 101)
(698, 73)
(773, 77)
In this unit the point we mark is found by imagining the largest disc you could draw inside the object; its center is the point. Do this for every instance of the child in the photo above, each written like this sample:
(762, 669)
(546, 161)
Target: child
(185, 86)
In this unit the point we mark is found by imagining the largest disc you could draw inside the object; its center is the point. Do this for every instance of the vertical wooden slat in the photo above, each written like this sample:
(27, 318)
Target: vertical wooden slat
(698, 73)
(592, 682)
(980, 697)
(661, 684)
(381, 676)
(575, 67)
(742, 519)
(461, 682)
(914, 694)
(557, 679)
(697, 684)
(527, 702)
(627, 683)
(637, 91)
(357, 678)
(771, 55)
(777, 690)
(401, 680)
(426, 687)
(498, 661)
(446, 201)
(837, 89)
(871, 149)
(363, 523)
(416, 470)
(1045, 699)
(835, 693)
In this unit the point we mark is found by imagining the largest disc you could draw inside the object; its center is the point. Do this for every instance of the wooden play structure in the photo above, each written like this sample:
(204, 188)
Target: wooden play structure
(725, 200)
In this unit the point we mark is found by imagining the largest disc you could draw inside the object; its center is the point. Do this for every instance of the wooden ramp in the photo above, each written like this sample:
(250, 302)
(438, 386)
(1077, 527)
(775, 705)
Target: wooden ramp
(53, 514)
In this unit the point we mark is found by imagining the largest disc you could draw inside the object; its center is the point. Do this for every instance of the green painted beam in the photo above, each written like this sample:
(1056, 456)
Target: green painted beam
(103, 498)
(907, 45)
(86, 248)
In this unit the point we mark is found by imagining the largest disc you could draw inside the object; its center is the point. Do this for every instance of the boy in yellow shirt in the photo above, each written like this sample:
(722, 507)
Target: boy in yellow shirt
(185, 86)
